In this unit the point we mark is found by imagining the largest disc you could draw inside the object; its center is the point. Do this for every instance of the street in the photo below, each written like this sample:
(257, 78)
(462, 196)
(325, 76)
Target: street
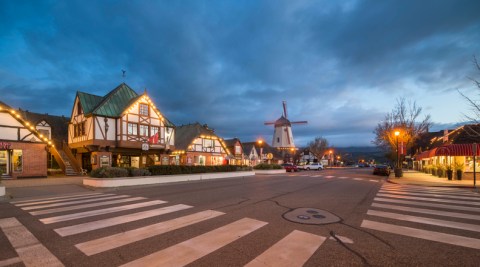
(341, 217)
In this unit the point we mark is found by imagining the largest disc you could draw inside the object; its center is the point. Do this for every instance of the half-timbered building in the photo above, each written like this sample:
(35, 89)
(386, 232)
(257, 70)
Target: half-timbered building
(122, 128)
(23, 144)
(238, 156)
(197, 144)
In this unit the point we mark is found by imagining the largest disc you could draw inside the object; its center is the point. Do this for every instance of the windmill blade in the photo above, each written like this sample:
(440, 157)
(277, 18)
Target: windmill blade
(285, 109)
(269, 123)
(299, 122)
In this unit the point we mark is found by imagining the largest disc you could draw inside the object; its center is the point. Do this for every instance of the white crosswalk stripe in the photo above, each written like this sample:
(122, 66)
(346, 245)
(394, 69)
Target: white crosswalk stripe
(292, 250)
(66, 203)
(38, 202)
(401, 203)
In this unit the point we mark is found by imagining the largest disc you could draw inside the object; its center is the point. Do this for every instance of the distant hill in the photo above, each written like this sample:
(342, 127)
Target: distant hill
(358, 153)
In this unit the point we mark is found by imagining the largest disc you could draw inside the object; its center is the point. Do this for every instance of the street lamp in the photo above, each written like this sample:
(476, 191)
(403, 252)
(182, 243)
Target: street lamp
(331, 158)
(260, 143)
(397, 172)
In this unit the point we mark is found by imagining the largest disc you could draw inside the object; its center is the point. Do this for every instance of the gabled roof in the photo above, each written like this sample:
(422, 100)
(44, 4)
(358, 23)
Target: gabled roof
(58, 124)
(247, 147)
(185, 134)
(88, 101)
(115, 102)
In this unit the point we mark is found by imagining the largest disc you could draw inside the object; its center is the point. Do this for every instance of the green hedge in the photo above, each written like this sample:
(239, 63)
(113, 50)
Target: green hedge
(181, 169)
(264, 166)
(112, 172)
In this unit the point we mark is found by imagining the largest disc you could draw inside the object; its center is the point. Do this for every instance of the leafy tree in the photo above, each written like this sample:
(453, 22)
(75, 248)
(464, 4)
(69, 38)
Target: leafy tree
(318, 147)
(405, 118)
(474, 104)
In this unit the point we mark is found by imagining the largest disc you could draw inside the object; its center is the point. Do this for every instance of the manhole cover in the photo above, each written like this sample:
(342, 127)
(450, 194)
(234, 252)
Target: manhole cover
(311, 216)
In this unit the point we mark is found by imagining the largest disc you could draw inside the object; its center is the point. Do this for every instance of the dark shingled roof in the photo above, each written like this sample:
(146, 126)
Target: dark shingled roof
(277, 154)
(185, 134)
(58, 124)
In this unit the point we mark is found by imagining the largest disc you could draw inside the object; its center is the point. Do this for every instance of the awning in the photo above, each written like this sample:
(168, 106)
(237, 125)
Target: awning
(465, 150)
(457, 150)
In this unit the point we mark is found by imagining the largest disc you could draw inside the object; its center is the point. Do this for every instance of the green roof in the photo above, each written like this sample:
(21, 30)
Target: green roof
(113, 104)
(88, 101)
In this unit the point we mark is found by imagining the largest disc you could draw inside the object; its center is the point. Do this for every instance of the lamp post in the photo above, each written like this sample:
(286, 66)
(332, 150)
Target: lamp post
(397, 169)
(260, 143)
(331, 158)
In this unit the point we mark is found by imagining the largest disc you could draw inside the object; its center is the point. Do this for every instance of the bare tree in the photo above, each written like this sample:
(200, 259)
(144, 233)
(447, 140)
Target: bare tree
(405, 119)
(474, 104)
(318, 147)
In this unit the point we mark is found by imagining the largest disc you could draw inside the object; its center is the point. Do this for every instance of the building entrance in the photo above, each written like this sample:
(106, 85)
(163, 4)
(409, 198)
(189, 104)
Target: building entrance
(4, 163)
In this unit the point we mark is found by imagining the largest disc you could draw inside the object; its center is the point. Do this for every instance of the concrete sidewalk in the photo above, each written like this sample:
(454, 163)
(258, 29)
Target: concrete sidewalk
(411, 177)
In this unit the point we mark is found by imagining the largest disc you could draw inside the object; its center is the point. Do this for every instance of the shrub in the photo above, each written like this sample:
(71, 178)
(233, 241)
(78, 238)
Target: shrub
(140, 172)
(109, 172)
(264, 166)
(182, 169)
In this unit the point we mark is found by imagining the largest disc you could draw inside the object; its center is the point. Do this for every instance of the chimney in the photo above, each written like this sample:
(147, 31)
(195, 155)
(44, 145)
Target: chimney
(445, 136)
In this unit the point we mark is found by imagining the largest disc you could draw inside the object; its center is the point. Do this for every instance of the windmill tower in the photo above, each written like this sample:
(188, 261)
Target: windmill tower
(282, 135)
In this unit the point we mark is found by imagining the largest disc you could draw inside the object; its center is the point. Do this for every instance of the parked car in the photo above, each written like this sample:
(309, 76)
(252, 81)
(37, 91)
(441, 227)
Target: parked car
(289, 167)
(312, 166)
(382, 170)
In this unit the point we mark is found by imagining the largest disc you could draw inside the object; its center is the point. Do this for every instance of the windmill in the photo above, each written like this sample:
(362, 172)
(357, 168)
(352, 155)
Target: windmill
(282, 135)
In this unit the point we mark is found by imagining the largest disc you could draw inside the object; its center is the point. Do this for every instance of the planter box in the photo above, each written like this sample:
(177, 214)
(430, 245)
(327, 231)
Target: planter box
(279, 171)
(145, 180)
(2, 190)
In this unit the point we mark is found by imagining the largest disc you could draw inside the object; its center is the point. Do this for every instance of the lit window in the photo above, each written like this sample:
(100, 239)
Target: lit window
(132, 129)
(143, 109)
(143, 130)
(153, 130)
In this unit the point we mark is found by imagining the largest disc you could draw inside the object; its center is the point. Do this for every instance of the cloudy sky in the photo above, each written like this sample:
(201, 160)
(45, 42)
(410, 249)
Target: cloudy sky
(338, 64)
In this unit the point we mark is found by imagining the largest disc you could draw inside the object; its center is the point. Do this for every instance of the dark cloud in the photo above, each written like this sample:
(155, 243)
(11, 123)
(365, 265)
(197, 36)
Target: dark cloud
(229, 64)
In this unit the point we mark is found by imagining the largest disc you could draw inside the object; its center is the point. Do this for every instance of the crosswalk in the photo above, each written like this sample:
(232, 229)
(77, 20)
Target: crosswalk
(415, 208)
(87, 213)
(323, 176)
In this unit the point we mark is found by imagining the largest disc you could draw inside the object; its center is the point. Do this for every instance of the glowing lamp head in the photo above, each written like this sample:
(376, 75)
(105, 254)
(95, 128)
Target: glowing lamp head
(397, 133)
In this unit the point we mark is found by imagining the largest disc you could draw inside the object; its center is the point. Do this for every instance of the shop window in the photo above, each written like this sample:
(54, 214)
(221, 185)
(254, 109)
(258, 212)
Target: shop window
(17, 160)
(143, 130)
(132, 129)
(143, 109)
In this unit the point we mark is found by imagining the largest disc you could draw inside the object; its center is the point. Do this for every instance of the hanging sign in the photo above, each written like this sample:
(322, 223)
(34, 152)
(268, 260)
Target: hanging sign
(145, 146)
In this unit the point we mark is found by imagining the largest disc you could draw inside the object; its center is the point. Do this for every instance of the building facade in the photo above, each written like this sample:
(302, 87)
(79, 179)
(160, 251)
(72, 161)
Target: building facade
(122, 129)
(198, 145)
(23, 145)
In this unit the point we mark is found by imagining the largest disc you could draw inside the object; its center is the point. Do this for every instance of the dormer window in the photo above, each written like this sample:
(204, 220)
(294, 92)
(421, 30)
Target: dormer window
(143, 109)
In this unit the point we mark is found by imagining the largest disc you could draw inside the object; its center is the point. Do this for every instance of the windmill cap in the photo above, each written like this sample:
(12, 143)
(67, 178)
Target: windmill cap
(282, 122)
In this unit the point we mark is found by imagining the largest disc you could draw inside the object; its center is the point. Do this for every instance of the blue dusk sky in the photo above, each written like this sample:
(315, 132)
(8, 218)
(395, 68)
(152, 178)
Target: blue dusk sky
(340, 65)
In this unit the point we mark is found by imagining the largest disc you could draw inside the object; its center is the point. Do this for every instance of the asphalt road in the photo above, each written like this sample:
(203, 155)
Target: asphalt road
(233, 222)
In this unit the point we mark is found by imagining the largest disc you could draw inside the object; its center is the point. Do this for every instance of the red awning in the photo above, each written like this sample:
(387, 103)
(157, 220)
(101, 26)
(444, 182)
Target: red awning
(422, 155)
(457, 150)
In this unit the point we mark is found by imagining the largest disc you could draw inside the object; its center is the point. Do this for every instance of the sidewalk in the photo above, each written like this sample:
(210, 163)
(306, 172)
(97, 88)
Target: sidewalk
(411, 177)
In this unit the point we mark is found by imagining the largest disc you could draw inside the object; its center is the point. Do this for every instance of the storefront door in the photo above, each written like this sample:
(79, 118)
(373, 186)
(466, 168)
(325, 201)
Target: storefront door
(4, 163)
(135, 162)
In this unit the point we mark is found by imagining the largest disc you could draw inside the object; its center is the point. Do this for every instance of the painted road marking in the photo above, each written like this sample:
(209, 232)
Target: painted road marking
(114, 241)
(76, 207)
(432, 192)
(427, 211)
(59, 204)
(58, 200)
(197, 247)
(59, 197)
(10, 261)
(99, 212)
(27, 246)
(329, 176)
(430, 199)
(428, 195)
(434, 205)
(424, 220)
(293, 250)
(90, 226)
(423, 234)
(428, 189)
